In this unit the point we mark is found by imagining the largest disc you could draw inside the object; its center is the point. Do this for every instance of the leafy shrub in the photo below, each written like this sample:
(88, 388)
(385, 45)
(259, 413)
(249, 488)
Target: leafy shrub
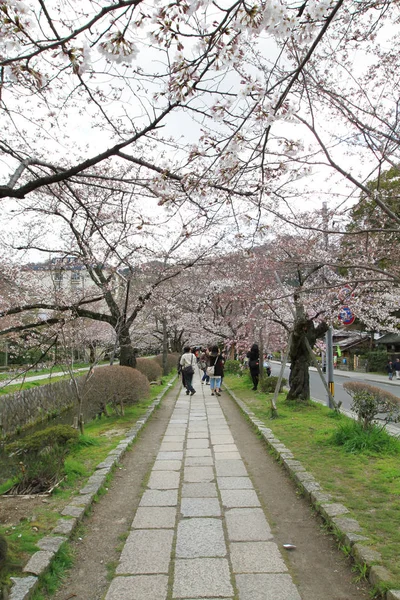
(370, 401)
(150, 368)
(268, 384)
(116, 385)
(57, 435)
(172, 361)
(233, 367)
(355, 439)
(377, 360)
(3, 549)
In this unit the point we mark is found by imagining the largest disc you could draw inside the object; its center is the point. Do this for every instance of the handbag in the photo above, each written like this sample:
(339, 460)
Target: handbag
(210, 371)
(188, 370)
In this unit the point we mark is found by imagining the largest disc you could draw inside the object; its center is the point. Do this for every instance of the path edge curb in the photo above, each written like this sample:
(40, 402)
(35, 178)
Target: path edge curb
(347, 530)
(23, 588)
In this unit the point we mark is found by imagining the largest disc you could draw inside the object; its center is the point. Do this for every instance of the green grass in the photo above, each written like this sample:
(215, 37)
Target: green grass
(101, 436)
(366, 482)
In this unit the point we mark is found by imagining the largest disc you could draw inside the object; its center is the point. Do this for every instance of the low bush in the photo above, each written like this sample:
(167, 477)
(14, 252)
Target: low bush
(355, 439)
(3, 549)
(233, 367)
(172, 361)
(117, 386)
(370, 401)
(150, 368)
(268, 384)
(57, 435)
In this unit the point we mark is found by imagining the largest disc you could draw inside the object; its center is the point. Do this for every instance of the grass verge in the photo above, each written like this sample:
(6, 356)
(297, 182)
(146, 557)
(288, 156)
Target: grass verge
(366, 482)
(101, 436)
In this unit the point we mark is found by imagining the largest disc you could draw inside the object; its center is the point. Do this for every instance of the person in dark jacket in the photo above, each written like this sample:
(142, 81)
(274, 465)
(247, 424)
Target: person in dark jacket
(254, 365)
(216, 361)
(390, 369)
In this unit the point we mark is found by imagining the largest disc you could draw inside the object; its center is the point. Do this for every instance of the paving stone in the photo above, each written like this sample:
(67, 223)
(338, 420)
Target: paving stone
(230, 468)
(222, 439)
(198, 443)
(154, 517)
(378, 576)
(303, 476)
(200, 507)
(84, 500)
(199, 490)
(274, 586)
(227, 455)
(159, 498)
(146, 551)
(73, 511)
(169, 456)
(198, 452)
(198, 474)
(234, 483)
(365, 554)
(309, 487)
(225, 448)
(247, 525)
(198, 538)
(346, 525)
(317, 497)
(202, 578)
(333, 510)
(139, 587)
(256, 557)
(164, 480)
(193, 435)
(91, 488)
(51, 543)
(193, 461)
(65, 526)
(171, 446)
(239, 498)
(393, 595)
(38, 562)
(23, 587)
(167, 465)
(108, 462)
(352, 538)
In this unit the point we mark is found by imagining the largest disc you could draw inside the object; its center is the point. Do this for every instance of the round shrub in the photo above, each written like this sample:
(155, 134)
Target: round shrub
(268, 384)
(57, 435)
(116, 385)
(150, 368)
(233, 367)
(172, 361)
(370, 401)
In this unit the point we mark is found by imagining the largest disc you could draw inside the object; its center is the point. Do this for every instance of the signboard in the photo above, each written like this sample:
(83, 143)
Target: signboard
(346, 316)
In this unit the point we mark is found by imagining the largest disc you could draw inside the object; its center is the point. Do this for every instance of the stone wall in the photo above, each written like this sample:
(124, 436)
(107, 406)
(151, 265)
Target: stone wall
(27, 407)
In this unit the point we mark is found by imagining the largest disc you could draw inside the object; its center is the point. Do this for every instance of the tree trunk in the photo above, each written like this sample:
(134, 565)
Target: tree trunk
(165, 348)
(303, 328)
(127, 356)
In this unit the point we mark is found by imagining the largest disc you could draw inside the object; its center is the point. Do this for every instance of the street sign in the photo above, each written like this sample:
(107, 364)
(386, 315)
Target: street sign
(346, 316)
(345, 293)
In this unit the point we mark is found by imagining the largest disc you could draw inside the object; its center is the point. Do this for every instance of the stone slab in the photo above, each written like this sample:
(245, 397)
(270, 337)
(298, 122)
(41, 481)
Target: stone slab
(51, 543)
(198, 452)
(154, 517)
(171, 446)
(247, 525)
(164, 480)
(38, 562)
(225, 448)
(73, 511)
(169, 456)
(65, 526)
(239, 498)
(227, 456)
(200, 507)
(393, 595)
(365, 554)
(198, 538)
(199, 461)
(234, 483)
(23, 587)
(334, 509)
(346, 525)
(167, 465)
(159, 498)
(264, 586)
(230, 468)
(222, 439)
(198, 474)
(202, 578)
(256, 557)
(199, 490)
(139, 587)
(198, 443)
(146, 551)
(91, 488)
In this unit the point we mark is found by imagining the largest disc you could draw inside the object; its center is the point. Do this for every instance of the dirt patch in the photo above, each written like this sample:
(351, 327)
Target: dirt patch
(15, 509)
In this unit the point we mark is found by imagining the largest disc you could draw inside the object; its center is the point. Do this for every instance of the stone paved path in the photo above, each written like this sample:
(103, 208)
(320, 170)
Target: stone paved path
(199, 531)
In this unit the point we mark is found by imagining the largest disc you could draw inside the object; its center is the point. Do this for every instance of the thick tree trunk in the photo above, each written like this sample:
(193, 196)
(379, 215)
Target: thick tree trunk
(127, 357)
(303, 329)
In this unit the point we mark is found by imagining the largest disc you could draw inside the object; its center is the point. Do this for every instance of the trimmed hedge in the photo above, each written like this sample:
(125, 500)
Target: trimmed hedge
(172, 361)
(233, 367)
(116, 385)
(268, 384)
(57, 435)
(150, 368)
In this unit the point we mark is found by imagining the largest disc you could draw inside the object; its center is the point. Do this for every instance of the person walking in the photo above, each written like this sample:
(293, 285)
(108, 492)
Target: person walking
(254, 365)
(390, 369)
(217, 363)
(397, 368)
(188, 362)
(203, 364)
